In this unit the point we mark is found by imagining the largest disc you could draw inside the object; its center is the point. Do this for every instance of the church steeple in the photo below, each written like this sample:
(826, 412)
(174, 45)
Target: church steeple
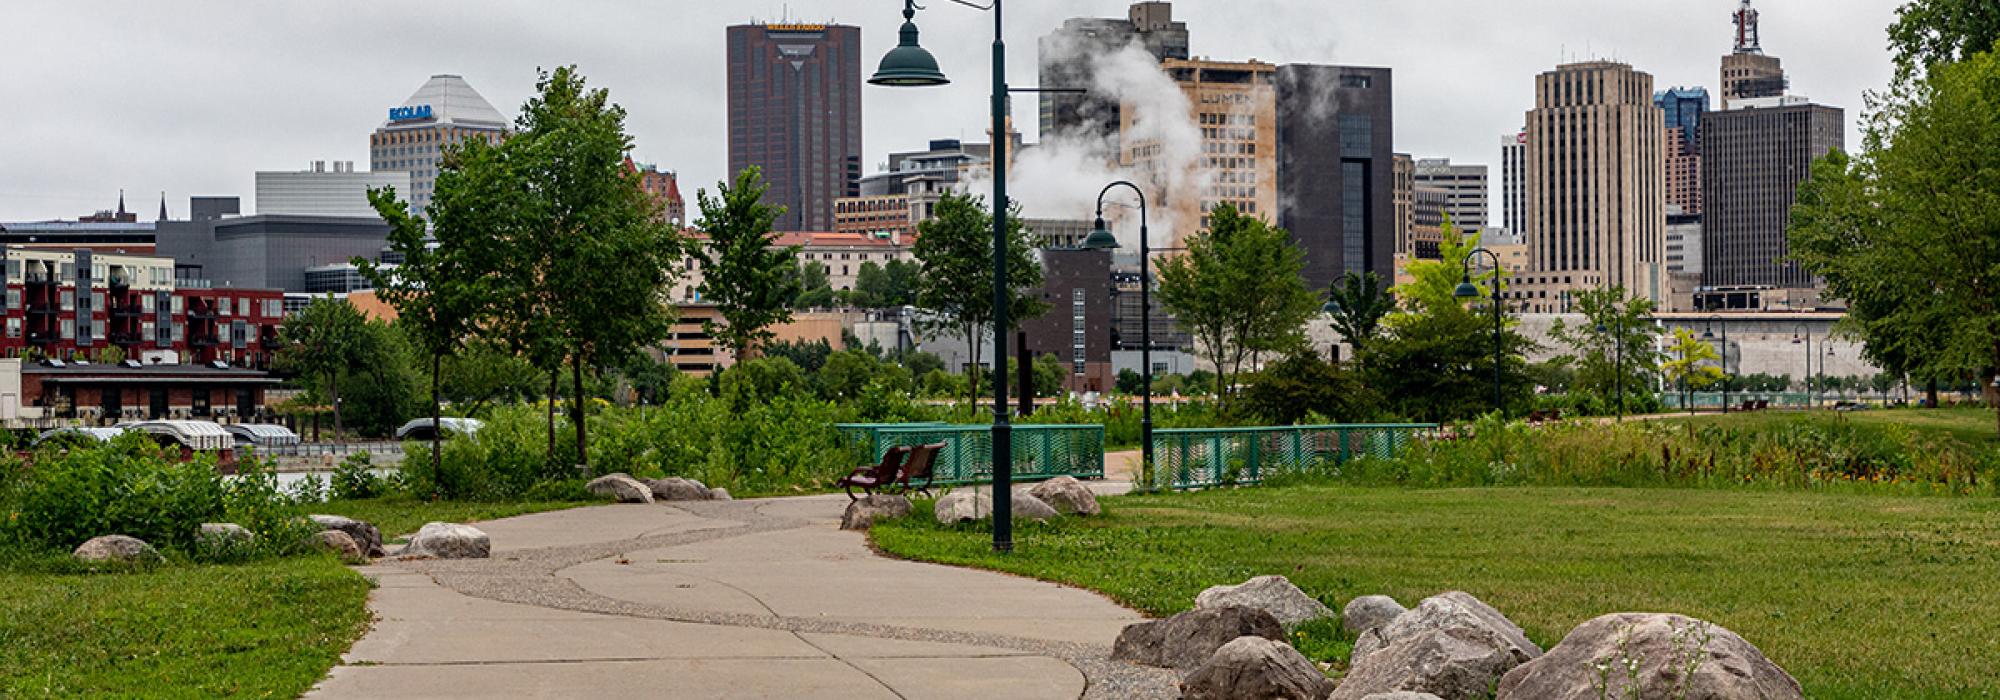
(121, 203)
(163, 206)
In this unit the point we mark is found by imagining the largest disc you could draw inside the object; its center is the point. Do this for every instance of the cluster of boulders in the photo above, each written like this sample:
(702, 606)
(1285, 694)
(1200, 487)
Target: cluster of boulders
(625, 488)
(354, 541)
(1450, 646)
(1041, 502)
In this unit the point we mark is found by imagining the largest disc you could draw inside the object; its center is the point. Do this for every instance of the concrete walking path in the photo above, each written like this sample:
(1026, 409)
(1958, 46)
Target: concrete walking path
(762, 598)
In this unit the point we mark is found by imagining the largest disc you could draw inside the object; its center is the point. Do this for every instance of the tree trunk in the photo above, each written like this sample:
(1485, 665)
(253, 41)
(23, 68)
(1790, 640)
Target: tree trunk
(437, 413)
(972, 369)
(555, 374)
(576, 413)
(333, 391)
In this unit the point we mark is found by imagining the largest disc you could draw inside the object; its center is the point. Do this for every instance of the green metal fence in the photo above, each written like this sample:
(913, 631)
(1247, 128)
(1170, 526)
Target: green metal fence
(1040, 451)
(1201, 458)
(866, 438)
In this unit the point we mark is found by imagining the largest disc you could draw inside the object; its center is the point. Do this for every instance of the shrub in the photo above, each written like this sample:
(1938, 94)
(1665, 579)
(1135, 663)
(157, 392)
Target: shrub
(355, 478)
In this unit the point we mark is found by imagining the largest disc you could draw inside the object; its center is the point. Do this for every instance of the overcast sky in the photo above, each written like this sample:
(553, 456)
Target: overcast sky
(192, 97)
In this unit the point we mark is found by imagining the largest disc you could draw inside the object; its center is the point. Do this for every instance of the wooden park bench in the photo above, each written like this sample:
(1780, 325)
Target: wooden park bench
(873, 477)
(921, 468)
(1549, 416)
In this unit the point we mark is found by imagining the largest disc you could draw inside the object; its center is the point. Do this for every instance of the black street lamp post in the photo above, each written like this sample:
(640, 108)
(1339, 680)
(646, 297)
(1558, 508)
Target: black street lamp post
(1466, 290)
(1101, 238)
(1804, 335)
(1708, 333)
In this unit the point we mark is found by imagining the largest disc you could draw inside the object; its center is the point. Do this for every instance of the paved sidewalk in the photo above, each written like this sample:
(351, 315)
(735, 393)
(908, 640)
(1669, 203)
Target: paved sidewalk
(729, 599)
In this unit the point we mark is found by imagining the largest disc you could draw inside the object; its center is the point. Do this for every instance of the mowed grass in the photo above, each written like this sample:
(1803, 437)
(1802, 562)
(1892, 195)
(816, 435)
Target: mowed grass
(264, 629)
(400, 515)
(1972, 426)
(1857, 596)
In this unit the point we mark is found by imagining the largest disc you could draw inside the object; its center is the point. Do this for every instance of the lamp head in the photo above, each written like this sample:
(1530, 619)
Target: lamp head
(1100, 237)
(909, 65)
(1465, 289)
(1332, 307)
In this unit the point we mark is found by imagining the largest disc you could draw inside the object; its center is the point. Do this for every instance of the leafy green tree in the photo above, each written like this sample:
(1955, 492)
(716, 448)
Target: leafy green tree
(439, 289)
(1237, 289)
(882, 286)
(809, 355)
(1049, 372)
(1686, 368)
(1931, 32)
(1131, 383)
(1613, 347)
(846, 374)
(815, 290)
(1905, 232)
(749, 279)
(763, 379)
(323, 343)
(483, 373)
(384, 391)
(1304, 384)
(1360, 305)
(921, 363)
(1437, 366)
(1434, 283)
(954, 249)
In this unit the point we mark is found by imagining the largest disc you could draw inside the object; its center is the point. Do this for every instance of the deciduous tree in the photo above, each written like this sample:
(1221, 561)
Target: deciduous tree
(751, 281)
(955, 251)
(1237, 289)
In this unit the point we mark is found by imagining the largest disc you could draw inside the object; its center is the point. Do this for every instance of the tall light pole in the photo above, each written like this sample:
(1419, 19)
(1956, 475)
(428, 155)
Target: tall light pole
(1708, 333)
(1101, 238)
(1466, 290)
(1802, 334)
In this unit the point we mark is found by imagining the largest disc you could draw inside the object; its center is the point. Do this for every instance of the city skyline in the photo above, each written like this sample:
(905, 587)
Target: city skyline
(192, 118)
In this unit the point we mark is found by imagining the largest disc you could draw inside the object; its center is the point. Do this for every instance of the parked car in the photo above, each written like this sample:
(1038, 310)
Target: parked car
(422, 428)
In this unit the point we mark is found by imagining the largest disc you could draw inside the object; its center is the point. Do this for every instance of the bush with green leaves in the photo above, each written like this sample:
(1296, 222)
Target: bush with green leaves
(355, 478)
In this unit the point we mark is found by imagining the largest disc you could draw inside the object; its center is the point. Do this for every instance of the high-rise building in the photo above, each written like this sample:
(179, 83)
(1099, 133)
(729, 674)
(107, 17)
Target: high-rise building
(665, 188)
(1068, 58)
(1746, 72)
(319, 191)
(1429, 209)
(444, 112)
(1683, 108)
(795, 114)
(1336, 169)
(1595, 176)
(1235, 105)
(1683, 242)
(1754, 156)
(1513, 181)
(1464, 187)
(1403, 196)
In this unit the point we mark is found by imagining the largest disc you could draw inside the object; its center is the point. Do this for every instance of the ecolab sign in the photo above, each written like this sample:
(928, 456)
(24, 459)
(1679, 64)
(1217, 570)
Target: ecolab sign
(409, 114)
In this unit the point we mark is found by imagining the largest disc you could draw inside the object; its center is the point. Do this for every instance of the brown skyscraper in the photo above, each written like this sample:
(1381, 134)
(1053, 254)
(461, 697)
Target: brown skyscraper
(795, 113)
(1746, 72)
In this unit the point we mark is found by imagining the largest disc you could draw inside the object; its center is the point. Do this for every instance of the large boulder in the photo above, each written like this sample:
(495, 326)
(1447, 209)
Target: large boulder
(449, 541)
(720, 494)
(1450, 645)
(223, 534)
(1067, 496)
(676, 488)
(865, 512)
(1186, 640)
(364, 534)
(620, 487)
(1028, 507)
(340, 544)
(962, 506)
(1272, 594)
(1677, 657)
(1369, 612)
(117, 549)
(1255, 667)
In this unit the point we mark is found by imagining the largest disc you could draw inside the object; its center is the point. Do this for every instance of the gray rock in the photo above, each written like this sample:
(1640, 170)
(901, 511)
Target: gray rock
(1027, 507)
(621, 487)
(1444, 611)
(1186, 640)
(1272, 594)
(962, 506)
(864, 513)
(1255, 667)
(1402, 695)
(340, 544)
(676, 488)
(363, 533)
(1369, 612)
(222, 534)
(720, 494)
(1067, 495)
(1724, 665)
(117, 549)
(1451, 645)
(449, 541)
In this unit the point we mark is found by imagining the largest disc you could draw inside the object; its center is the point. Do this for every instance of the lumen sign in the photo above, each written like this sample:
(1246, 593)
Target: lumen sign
(409, 114)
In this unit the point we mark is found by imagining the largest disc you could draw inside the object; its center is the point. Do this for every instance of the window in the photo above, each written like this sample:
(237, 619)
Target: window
(68, 329)
(13, 328)
(179, 304)
(13, 298)
(243, 307)
(97, 300)
(68, 300)
(146, 303)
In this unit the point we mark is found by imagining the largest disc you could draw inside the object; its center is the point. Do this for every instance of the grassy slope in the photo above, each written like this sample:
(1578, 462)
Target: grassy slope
(265, 629)
(1858, 596)
(1972, 426)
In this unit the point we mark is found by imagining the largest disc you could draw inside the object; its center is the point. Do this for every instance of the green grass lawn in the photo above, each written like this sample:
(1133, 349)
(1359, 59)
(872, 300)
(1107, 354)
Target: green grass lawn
(1857, 596)
(1972, 426)
(401, 515)
(265, 629)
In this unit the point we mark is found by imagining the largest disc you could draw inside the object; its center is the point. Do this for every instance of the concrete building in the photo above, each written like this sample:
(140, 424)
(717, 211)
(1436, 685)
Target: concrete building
(877, 215)
(1684, 252)
(1235, 106)
(1464, 187)
(1068, 234)
(1404, 198)
(266, 251)
(795, 114)
(71, 305)
(1595, 177)
(1683, 108)
(320, 191)
(1068, 58)
(1746, 72)
(1754, 156)
(1514, 182)
(1336, 169)
(1429, 208)
(444, 112)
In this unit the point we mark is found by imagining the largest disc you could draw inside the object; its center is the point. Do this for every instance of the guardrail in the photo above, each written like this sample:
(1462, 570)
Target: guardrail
(1208, 457)
(336, 449)
(1040, 452)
